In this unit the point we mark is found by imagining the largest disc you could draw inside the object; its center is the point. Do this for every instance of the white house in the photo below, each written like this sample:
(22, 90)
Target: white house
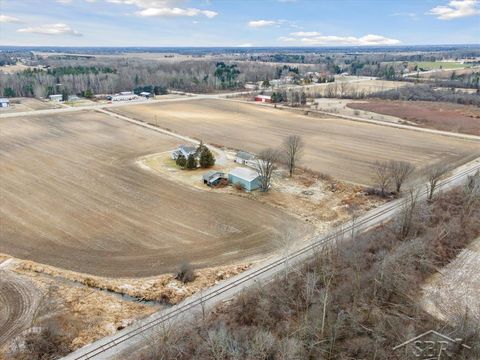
(55, 97)
(4, 103)
(184, 150)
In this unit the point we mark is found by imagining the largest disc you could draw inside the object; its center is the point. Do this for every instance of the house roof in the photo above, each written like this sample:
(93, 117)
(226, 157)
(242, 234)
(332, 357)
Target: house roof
(244, 173)
(213, 175)
(4, 100)
(245, 155)
(144, 93)
(266, 97)
(187, 149)
(209, 174)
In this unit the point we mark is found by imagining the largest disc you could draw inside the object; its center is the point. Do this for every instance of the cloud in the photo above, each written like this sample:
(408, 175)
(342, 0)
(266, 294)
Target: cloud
(312, 38)
(456, 9)
(287, 39)
(9, 19)
(170, 12)
(261, 23)
(305, 33)
(51, 29)
(64, 1)
(165, 8)
(410, 15)
(245, 45)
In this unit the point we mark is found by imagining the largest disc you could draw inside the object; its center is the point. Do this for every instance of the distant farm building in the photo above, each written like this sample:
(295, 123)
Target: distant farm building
(184, 150)
(73, 98)
(4, 103)
(146, 94)
(244, 157)
(213, 178)
(247, 178)
(263, 98)
(55, 97)
(123, 96)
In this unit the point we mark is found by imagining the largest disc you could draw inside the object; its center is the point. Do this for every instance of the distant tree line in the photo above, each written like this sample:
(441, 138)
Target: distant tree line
(112, 75)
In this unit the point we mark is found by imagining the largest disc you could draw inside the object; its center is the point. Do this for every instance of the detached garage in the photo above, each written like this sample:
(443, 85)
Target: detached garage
(247, 178)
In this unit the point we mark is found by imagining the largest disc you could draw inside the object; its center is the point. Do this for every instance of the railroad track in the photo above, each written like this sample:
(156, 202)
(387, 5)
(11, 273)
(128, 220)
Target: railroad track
(362, 224)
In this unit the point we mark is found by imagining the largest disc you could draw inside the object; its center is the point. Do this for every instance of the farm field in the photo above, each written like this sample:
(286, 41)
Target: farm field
(351, 85)
(435, 65)
(447, 73)
(72, 196)
(344, 149)
(441, 116)
(27, 104)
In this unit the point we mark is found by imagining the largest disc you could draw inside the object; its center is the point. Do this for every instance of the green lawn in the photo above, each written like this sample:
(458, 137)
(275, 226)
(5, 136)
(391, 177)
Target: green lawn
(430, 65)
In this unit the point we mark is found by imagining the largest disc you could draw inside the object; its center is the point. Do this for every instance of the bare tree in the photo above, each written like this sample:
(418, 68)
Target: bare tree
(433, 174)
(408, 214)
(265, 164)
(400, 171)
(292, 149)
(382, 176)
(344, 87)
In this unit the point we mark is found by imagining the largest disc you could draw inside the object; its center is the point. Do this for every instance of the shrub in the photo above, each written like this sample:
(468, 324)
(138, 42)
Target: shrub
(185, 273)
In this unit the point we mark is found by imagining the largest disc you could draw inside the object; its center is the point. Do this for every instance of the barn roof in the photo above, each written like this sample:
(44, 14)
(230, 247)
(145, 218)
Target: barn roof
(244, 173)
(245, 155)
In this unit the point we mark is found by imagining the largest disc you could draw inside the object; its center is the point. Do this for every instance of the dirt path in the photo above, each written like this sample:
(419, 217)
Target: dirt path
(18, 301)
(453, 292)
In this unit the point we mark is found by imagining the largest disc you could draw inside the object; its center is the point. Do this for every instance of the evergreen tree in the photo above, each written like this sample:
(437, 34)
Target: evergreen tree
(191, 162)
(9, 92)
(206, 158)
(181, 161)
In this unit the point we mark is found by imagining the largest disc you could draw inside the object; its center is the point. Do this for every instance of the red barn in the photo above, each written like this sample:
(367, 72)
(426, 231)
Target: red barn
(263, 98)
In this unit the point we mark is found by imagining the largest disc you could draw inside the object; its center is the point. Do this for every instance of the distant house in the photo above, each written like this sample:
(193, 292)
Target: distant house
(183, 150)
(73, 98)
(212, 177)
(123, 96)
(247, 178)
(55, 97)
(251, 86)
(146, 94)
(244, 157)
(4, 103)
(263, 98)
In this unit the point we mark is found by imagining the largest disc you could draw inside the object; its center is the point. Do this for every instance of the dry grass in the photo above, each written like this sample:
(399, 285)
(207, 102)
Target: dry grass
(356, 301)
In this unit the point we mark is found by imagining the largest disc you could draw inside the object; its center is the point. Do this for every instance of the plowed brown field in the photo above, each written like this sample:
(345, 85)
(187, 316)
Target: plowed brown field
(344, 149)
(72, 196)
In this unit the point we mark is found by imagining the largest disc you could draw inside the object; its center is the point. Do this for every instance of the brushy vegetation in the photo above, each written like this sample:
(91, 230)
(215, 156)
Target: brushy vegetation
(428, 93)
(355, 301)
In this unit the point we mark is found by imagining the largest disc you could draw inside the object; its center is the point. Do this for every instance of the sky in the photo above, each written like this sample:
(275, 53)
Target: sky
(235, 23)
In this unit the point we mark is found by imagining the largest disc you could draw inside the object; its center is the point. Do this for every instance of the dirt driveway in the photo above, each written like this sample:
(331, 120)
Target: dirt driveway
(73, 196)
